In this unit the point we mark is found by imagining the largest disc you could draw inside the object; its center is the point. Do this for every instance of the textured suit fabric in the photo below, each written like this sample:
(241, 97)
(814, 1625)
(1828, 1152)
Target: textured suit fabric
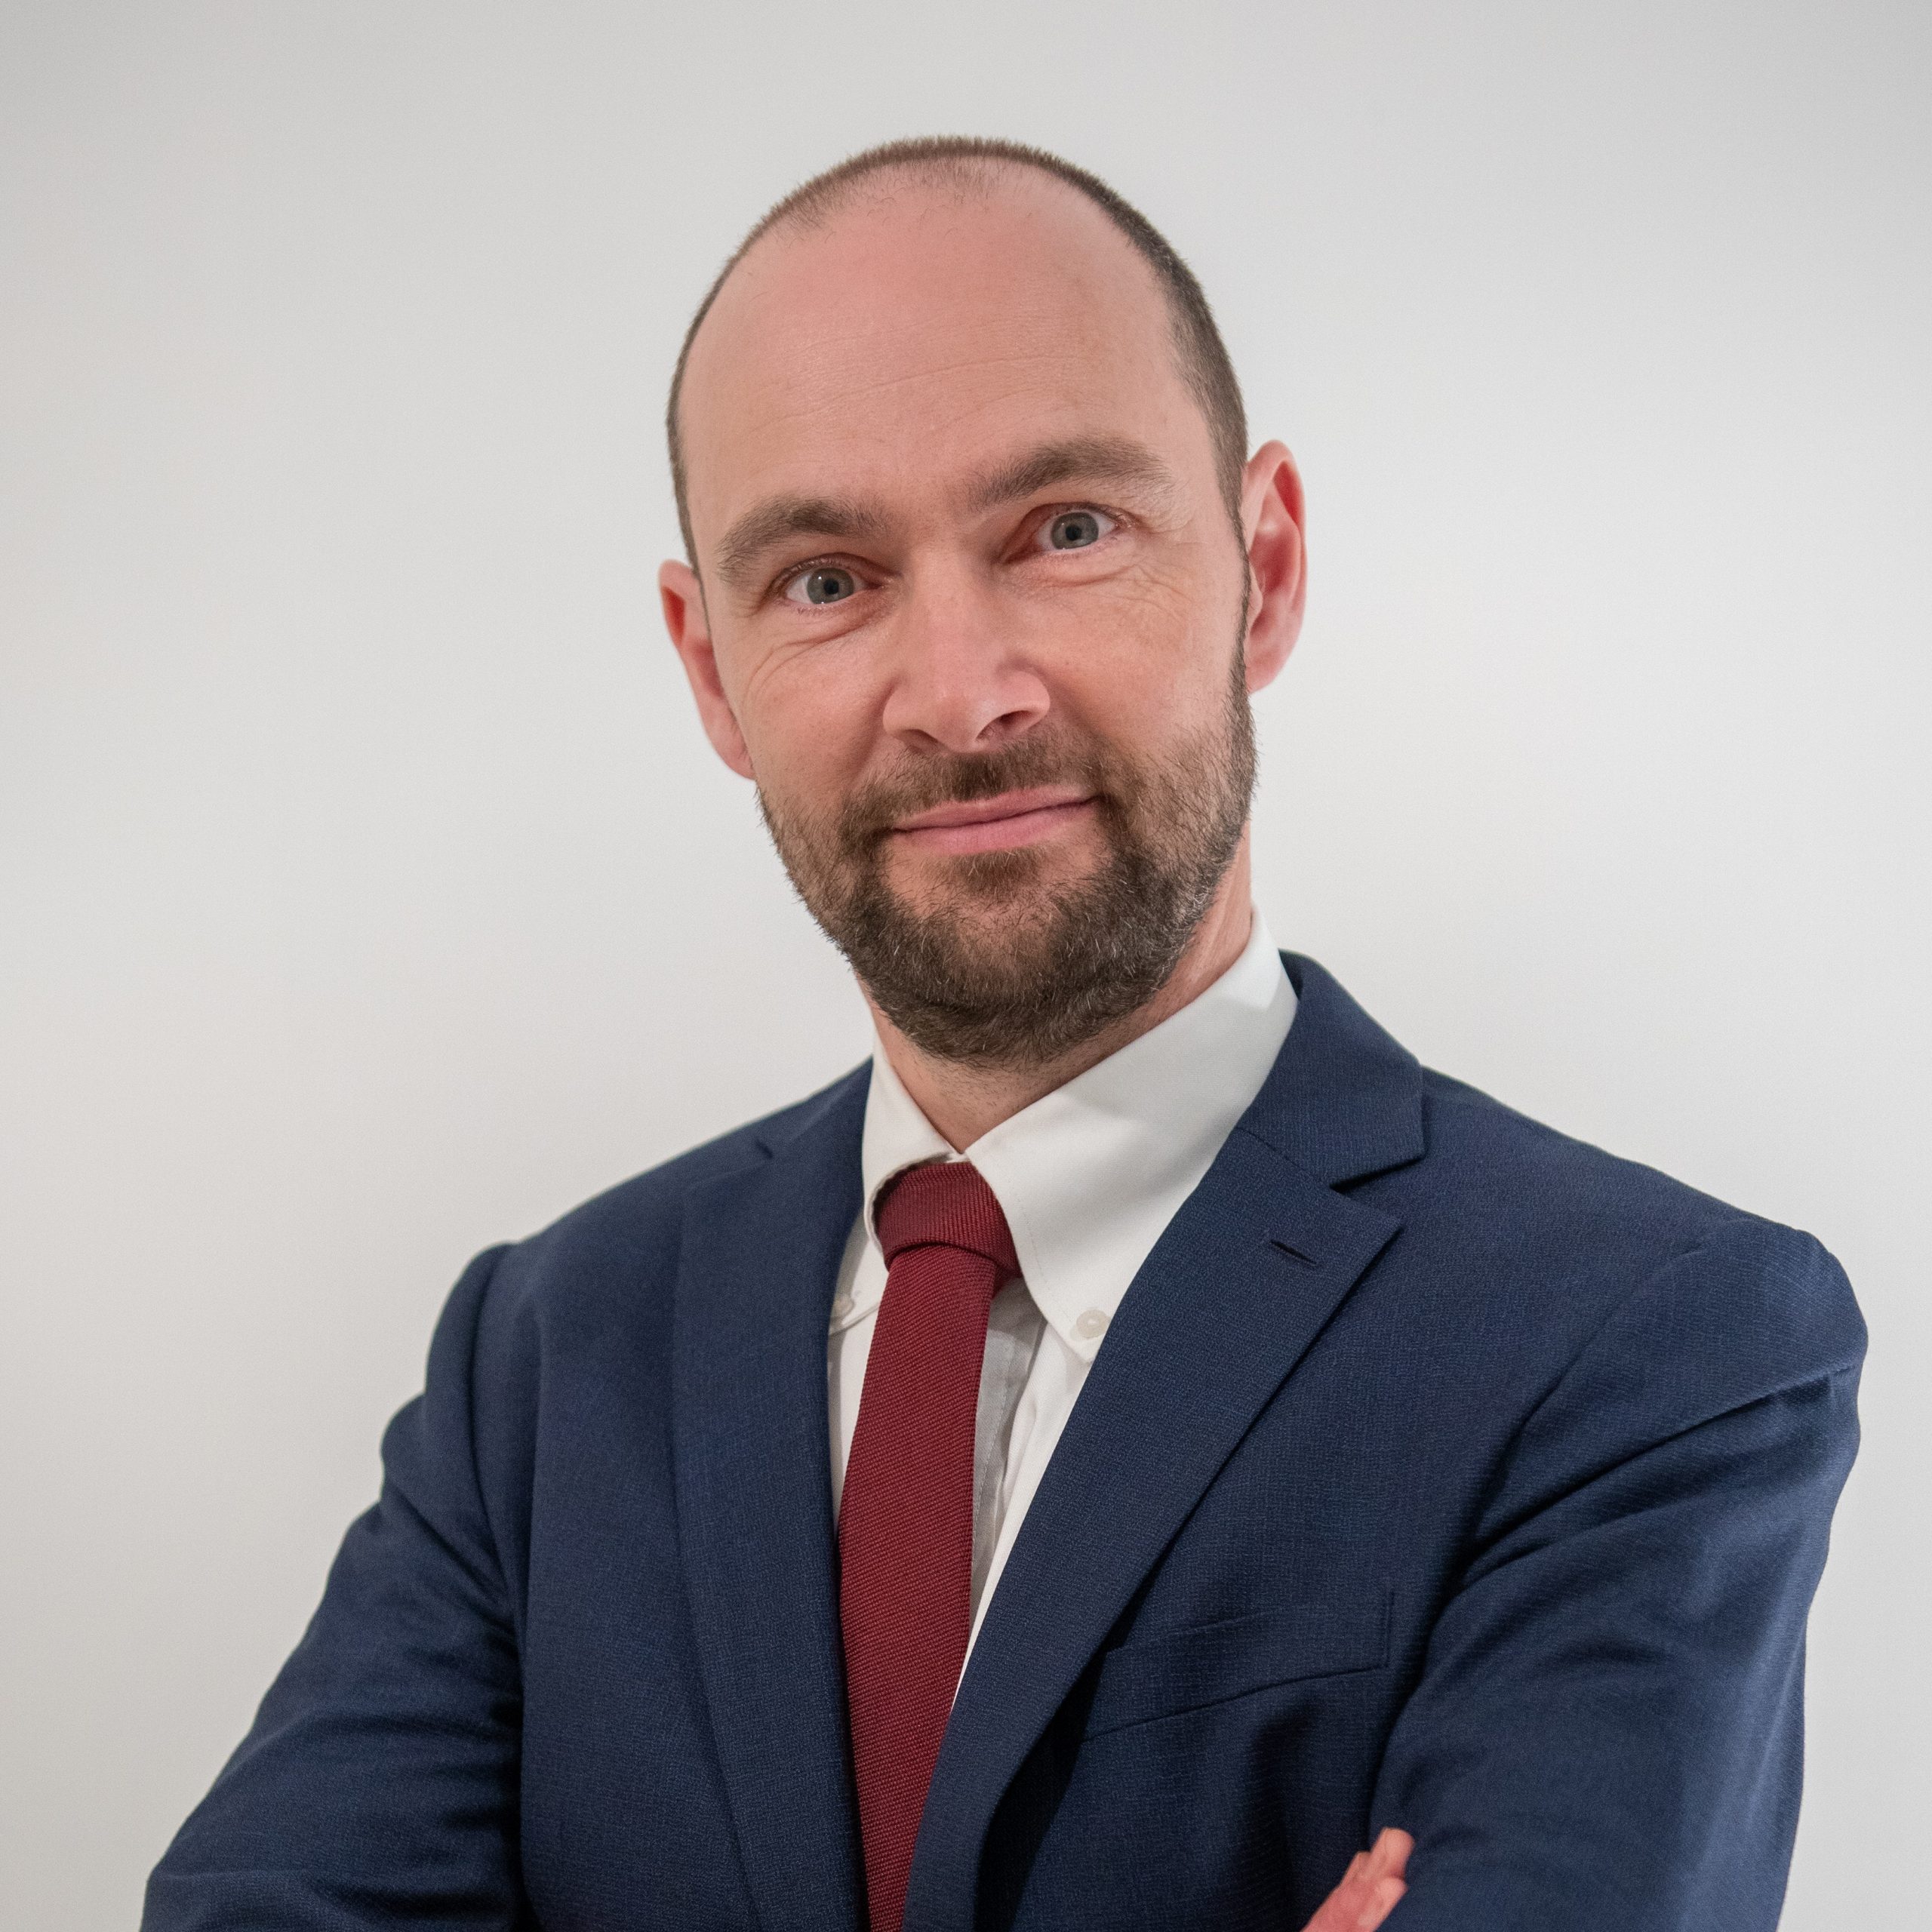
(905, 1526)
(1437, 1470)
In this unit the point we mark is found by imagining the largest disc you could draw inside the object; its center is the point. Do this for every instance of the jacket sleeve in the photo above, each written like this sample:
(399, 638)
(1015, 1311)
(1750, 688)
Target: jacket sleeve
(1607, 1731)
(379, 1784)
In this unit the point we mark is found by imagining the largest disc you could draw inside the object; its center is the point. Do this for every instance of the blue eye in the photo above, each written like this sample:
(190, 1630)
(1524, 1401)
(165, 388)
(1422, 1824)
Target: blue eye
(1075, 529)
(823, 583)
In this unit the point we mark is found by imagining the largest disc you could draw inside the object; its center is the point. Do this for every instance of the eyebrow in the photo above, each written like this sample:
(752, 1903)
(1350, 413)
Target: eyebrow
(1099, 459)
(1082, 459)
(779, 517)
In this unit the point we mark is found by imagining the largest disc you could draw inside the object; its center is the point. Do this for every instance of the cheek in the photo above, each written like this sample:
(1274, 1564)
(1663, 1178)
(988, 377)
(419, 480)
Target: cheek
(1139, 660)
(806, 715)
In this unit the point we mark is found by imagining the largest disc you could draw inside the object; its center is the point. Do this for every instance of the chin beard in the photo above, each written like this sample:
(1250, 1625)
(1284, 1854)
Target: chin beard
(1009, 968)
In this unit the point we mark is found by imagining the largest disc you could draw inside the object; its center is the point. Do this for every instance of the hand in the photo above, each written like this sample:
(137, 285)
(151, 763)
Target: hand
(1369, 1888)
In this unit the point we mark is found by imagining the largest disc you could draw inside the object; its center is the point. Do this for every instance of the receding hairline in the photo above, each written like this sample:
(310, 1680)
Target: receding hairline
(969, 165)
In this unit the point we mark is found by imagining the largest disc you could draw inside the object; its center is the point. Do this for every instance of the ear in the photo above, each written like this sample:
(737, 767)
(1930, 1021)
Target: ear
(1273, 519)
(683, 598)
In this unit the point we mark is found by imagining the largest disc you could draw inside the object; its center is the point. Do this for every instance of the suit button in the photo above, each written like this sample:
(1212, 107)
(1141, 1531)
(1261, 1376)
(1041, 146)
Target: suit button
(1091, 1325)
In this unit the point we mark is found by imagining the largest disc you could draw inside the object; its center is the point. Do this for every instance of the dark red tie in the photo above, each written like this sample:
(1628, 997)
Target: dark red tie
(905, 1517)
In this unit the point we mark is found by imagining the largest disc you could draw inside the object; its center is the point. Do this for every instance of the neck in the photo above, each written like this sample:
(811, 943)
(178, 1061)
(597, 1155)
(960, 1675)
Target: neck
(963, 1101)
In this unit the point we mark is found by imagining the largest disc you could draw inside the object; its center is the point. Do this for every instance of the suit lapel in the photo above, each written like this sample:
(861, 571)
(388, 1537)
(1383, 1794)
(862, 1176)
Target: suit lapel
(1239, 1286)
(761, 1250)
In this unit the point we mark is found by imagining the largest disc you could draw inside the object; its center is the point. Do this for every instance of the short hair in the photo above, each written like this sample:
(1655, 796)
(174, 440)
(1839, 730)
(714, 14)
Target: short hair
(968, 161)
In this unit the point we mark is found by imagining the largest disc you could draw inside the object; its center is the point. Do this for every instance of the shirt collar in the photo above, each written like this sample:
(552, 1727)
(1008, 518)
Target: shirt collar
(1090, 1174)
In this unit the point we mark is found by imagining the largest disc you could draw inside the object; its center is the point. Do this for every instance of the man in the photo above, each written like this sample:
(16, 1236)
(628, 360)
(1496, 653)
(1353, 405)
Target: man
(1143, 1452)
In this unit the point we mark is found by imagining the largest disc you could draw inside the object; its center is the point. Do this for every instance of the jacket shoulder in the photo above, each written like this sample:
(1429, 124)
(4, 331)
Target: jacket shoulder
(1490, 1150)
(1543, 1208)
(636, 1224)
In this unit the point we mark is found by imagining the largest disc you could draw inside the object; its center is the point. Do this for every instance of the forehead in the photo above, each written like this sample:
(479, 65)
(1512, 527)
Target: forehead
(920, 334)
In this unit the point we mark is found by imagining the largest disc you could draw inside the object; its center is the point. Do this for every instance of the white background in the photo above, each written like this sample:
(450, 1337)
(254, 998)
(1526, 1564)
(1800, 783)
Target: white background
(367, 894)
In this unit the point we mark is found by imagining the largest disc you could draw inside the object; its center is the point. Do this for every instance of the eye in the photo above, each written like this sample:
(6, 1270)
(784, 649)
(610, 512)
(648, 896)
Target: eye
(821, 583)
(1076, 530)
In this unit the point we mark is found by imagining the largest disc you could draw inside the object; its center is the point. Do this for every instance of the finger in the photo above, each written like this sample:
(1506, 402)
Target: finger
(1384, 1896)
(1390, 1853)
(1342, 1907)
(1337, 1915)
(1363, 1897)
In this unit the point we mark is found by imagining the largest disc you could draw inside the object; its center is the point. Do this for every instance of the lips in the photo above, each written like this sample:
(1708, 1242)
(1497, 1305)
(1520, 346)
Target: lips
(998, 823)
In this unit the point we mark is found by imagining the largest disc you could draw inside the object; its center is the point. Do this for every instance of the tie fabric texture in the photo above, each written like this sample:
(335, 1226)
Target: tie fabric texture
(905, 1517)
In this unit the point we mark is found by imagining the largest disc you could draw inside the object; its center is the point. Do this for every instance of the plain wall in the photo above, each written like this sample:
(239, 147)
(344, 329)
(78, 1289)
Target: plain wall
(367, 893)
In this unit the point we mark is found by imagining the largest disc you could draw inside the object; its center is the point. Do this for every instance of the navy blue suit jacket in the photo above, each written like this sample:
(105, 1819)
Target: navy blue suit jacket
(1437, 1470)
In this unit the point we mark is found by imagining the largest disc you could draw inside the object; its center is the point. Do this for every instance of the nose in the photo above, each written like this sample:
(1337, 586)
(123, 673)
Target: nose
(960, 678)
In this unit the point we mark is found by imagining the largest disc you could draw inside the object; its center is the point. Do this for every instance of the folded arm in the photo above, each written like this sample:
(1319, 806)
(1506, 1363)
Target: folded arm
(1607, 1731)
(378, 1785)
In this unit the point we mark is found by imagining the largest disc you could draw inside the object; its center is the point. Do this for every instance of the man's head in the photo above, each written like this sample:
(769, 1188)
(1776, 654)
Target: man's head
(978, 584)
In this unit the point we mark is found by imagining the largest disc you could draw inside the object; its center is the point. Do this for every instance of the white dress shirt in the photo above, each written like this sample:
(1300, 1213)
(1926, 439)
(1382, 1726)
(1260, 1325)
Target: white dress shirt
(1088, 1177)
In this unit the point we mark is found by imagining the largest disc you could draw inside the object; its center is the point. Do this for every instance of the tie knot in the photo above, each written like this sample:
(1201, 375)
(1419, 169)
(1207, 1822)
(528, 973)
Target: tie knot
(945, 1203)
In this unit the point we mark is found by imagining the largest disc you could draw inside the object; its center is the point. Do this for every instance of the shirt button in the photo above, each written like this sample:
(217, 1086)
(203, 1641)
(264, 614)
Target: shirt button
(1091, 1325)
(842, 1308)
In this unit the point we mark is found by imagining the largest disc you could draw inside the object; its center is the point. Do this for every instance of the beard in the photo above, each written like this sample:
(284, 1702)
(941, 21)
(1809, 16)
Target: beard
(1009, 967)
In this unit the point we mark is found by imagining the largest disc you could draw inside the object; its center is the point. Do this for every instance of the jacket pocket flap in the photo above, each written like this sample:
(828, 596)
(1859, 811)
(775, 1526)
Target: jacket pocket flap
(1208, 1663)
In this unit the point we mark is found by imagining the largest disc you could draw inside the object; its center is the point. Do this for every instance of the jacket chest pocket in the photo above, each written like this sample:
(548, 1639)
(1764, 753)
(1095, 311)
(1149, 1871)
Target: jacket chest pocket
(1202, 1664)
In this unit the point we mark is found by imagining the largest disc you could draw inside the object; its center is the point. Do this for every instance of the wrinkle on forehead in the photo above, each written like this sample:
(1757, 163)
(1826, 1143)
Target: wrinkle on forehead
(889, 337)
